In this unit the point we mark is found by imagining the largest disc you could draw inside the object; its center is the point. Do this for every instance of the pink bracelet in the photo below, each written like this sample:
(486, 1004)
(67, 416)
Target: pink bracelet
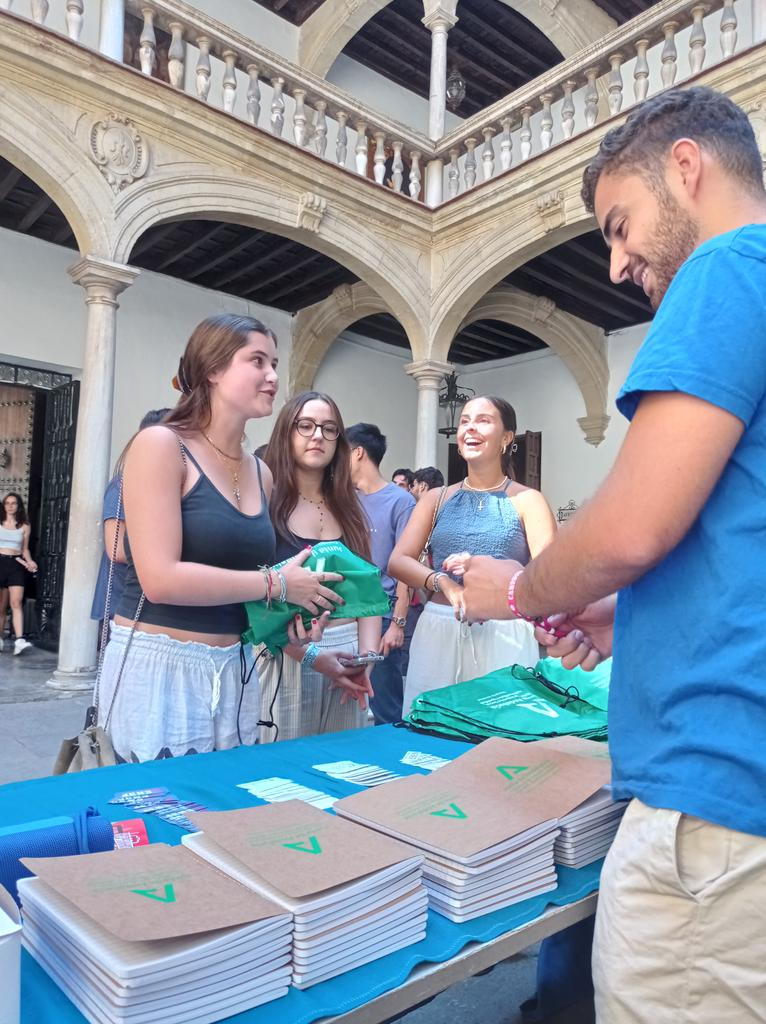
(542, 622)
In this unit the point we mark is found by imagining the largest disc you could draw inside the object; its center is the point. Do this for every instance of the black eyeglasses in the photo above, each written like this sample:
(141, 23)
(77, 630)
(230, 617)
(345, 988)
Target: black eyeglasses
(307, 428)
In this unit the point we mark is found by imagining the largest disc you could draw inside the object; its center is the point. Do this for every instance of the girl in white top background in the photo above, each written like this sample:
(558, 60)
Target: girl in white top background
(15, 563)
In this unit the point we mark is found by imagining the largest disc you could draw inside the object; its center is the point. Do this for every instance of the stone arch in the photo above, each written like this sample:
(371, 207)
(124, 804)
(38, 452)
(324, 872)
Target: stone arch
(39, 146)
(394, 274)
(580, 346)
(317, 327)
(569, 24)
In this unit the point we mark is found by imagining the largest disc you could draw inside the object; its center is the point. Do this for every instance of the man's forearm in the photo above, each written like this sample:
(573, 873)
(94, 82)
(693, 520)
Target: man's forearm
(402, 603)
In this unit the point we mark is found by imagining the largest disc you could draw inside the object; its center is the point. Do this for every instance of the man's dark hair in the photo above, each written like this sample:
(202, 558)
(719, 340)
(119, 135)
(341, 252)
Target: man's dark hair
(369, 437)
(430, 476)
(406, 473)
(641, 145)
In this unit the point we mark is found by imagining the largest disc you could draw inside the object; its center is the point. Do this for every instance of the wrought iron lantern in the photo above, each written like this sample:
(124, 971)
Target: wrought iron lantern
(452, 398)
(455, 89)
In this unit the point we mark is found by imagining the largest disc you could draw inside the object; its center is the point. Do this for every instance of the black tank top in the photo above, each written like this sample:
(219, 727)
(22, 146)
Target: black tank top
(213, 533)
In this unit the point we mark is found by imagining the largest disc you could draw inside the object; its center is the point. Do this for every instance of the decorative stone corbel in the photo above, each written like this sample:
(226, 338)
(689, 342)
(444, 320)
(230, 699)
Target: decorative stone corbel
(550, 206)
(119, 150)
(311, 210)
(344, 296)
(594, 428)
(543, 308)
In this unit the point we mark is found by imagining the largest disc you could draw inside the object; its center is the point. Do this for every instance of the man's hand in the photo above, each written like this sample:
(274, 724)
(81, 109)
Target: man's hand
(352, 680)
(485, 588)
(589, 635)
(391, 639)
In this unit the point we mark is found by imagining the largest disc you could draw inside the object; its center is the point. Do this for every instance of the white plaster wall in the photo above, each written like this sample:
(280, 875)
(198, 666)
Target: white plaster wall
(44, 320)
(546, 398)
(253, 20)
(368, 382)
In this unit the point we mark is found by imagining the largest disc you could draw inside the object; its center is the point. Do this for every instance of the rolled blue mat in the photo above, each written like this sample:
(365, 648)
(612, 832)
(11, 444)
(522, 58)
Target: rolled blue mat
(85, 832)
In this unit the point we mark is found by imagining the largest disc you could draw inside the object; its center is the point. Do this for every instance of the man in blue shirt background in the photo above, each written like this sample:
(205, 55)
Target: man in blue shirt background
(678, 528)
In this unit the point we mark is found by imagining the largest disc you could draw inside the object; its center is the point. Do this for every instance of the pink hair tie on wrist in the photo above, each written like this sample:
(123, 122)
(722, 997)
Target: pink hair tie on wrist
(543, 623)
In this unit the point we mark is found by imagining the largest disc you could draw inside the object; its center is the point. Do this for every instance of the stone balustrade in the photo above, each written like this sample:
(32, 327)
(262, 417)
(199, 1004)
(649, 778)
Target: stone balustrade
(670, 42)
(667, 44)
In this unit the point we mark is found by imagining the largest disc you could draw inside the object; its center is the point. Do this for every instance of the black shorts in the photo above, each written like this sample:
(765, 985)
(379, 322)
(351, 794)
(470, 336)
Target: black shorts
(12, 574)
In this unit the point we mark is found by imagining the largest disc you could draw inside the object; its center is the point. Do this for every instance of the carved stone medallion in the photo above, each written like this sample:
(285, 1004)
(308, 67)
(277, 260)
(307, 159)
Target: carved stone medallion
(311, 210)
(119, 150)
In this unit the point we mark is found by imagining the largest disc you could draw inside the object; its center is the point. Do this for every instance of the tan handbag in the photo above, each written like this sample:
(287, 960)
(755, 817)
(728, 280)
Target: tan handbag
(92, 748)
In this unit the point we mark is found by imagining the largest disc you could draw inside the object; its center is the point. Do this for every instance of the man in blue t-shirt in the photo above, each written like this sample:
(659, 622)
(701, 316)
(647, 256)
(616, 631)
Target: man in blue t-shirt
(388, 509)
(678, 529)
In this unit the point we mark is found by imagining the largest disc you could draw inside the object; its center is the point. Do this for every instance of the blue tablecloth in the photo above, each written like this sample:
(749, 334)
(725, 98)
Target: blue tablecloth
(211, 779)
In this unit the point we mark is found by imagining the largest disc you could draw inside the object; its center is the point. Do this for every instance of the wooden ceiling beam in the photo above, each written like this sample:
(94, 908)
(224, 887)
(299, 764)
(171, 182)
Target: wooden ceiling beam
(548, 259)
(510, 331)
(387, 58)
(554, 285)
(317, 294)
(225, 255)
(9, 181)
(283, 272)
(63, 234)
(152, 237)
(526, 54)
(34, 213)
(465, 44)
(179, 254)
(320, 272)
(279, 250)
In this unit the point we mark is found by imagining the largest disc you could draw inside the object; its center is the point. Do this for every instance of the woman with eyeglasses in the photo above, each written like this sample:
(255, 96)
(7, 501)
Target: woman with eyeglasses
(314, 500)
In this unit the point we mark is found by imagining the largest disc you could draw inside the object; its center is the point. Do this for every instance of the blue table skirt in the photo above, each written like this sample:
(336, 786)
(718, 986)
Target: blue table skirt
(211, 779)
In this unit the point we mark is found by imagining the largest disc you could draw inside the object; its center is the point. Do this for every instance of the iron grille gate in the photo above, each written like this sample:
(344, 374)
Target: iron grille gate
(60, 429)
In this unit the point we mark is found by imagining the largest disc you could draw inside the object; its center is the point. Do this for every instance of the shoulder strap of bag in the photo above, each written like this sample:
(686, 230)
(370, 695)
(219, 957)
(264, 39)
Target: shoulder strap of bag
(437, 511)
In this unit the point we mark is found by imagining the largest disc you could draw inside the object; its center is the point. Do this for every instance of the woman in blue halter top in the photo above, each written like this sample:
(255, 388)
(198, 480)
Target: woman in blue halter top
(487, 513)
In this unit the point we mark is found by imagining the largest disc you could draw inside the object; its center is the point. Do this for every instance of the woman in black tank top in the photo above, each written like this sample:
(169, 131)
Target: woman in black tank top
(199, 542)
(313, 500)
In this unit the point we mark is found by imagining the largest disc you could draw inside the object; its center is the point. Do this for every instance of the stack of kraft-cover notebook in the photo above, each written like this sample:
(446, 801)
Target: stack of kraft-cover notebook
(153, 935)
(587, 831)
(486, 823)
(354, 894)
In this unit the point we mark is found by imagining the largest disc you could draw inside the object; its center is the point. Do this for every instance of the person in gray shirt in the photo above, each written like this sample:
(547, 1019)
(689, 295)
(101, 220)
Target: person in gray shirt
(388, 510)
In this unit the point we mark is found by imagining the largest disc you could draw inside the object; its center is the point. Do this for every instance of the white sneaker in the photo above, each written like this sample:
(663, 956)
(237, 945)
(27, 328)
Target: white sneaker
(20, 645)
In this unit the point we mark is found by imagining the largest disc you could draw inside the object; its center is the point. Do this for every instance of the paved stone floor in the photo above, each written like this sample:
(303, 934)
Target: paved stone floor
(33, 720)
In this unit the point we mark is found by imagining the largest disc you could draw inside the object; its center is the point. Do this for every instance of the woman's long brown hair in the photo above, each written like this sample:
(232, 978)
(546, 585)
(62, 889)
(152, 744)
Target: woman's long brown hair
(337, 489)
(210, 348)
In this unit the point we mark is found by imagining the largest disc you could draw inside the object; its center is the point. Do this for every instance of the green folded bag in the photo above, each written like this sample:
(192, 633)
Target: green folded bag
(360, 588)
(516, 703)
(592, 687)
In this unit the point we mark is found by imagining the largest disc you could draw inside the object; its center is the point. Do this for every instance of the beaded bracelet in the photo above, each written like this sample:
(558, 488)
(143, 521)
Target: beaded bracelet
(541, 621)
(312, 653)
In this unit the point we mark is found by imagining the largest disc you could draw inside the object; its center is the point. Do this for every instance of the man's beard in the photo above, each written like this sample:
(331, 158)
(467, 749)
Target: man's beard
(676, 236)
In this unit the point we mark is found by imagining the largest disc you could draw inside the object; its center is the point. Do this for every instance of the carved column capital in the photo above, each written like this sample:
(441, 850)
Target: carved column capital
(102, 279)
(594, 428)
(429, 373)
(439, 20)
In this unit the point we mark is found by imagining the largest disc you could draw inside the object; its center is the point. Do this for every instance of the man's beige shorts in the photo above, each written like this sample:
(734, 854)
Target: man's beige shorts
(681, 924)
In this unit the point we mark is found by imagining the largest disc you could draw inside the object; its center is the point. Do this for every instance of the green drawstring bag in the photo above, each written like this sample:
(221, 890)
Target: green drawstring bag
(592, 687)
(360, 588)
(516, 703)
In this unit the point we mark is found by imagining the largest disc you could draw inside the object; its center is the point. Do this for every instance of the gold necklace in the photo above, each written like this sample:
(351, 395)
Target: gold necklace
(484, 490)
(319, 505)
(233, 471)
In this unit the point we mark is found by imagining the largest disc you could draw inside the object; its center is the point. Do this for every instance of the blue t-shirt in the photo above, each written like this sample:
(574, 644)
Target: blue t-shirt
(687, 708)
(388, 512)
(111, 497)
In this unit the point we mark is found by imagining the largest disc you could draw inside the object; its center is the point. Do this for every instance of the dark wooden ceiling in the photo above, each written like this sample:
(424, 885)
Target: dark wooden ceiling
(495, 49)
(275, 271)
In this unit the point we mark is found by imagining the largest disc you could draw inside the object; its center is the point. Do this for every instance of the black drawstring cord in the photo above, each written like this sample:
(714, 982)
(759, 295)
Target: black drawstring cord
(245, 676)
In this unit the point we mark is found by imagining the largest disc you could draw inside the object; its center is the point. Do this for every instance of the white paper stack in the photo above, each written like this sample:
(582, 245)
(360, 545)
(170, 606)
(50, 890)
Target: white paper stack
(486, 823)
(587, 831)
(185, 973)
(354, 895)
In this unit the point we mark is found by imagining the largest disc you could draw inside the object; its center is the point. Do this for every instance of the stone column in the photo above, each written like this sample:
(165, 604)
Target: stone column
(103, 281)
(439, 20)
(429, 374)
(111, 30)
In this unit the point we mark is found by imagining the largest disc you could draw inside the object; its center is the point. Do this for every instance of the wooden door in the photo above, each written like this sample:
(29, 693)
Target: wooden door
(17, 415)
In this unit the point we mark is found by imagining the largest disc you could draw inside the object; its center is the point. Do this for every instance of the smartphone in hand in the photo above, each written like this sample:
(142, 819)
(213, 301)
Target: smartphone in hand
(361, 659)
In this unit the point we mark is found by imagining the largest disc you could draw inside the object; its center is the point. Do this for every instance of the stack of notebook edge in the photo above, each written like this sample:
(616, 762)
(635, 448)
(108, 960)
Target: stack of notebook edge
(354, 895)
(587, 832)
(486, 823)
(152, 935)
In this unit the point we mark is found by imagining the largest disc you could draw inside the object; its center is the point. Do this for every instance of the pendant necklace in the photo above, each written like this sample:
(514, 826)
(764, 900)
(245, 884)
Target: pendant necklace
(484, 490)
(234, 471)
(319, 506)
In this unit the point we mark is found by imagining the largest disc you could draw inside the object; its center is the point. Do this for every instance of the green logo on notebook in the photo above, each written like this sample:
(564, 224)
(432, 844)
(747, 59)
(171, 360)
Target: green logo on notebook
(151, 894)
(453, 811)
(311, 847)
(510, 771)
